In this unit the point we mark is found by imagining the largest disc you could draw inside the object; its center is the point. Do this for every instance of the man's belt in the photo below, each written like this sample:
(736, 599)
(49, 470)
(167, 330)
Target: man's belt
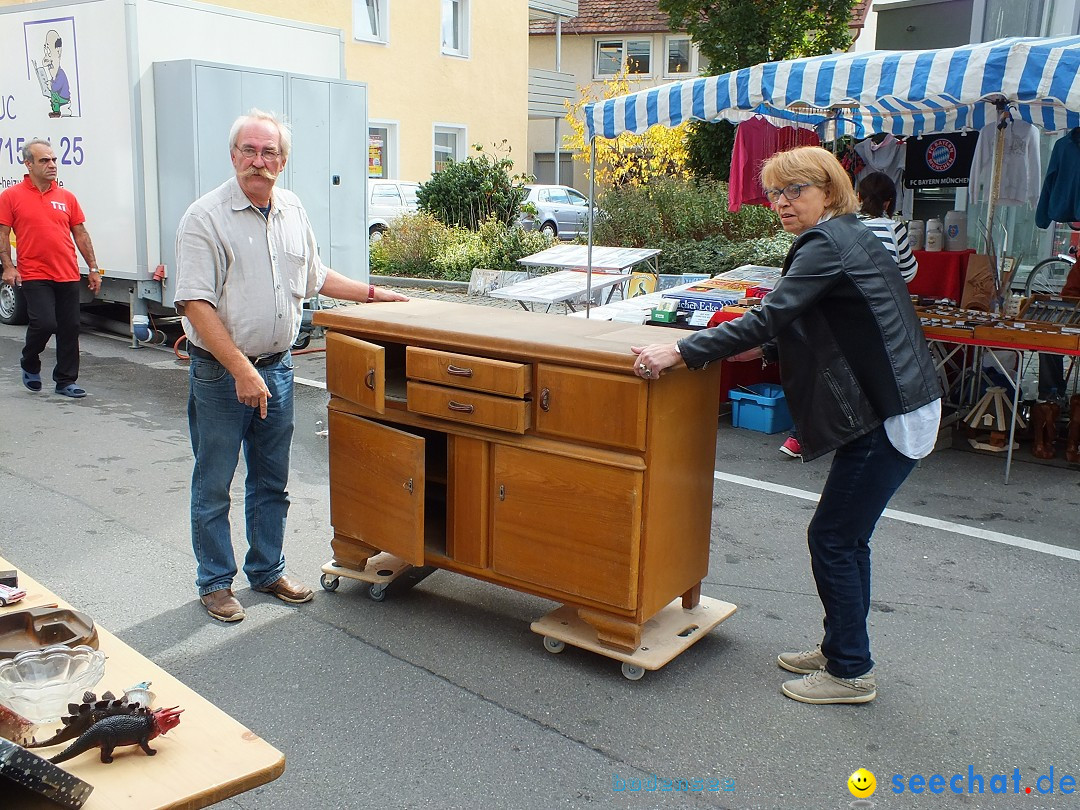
(258, 362)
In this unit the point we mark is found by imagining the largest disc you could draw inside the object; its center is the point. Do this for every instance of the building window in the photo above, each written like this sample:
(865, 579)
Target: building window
(370, 20)
(382, 150)
(679, 56)
(612, 53)
(449, 145)
(1007, 18)
(455, 27)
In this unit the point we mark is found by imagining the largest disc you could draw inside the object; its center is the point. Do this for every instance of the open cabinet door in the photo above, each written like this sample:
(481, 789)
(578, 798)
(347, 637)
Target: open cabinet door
(356, 371)
(377, 485)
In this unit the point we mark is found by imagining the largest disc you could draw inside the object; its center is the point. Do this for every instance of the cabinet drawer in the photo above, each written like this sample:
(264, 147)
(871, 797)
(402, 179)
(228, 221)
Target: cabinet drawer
(592, 406)
(467, 371)
(470, 407)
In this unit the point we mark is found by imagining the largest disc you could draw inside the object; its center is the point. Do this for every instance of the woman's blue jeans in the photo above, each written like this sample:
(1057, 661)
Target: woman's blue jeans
(864, 475)
(220, 426)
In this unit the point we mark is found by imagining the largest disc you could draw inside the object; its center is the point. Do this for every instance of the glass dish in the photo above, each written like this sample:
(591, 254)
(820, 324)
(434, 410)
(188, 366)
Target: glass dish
(39, 684)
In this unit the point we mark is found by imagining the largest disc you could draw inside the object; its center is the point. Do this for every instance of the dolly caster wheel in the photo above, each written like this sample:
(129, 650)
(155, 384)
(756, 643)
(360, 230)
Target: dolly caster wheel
(329, 583)
(553, 645)
(632, 673)
(377, 592)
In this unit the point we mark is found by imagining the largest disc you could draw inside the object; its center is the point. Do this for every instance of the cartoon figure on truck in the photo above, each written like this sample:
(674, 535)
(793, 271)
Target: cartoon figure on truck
(59, 89)
(53, 80)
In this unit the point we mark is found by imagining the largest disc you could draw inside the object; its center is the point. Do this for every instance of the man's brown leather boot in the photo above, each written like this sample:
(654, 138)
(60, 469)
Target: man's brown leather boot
(1044, 416)
(223, 606)
(1072, 444)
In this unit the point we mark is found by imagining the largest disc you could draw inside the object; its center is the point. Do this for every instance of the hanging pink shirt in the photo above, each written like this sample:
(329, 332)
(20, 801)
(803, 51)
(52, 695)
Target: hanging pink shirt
(756, 140)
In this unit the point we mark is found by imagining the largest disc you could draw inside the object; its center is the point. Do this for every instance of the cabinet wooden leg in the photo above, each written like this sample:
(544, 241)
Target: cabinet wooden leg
(351, 553)
(612, 631)
(692, 597)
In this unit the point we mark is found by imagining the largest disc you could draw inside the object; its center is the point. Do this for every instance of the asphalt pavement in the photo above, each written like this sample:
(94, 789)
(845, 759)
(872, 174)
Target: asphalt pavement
(442, 697)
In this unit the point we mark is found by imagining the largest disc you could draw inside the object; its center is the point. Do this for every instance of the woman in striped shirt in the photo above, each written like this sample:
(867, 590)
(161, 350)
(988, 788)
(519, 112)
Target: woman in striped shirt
(877, 196)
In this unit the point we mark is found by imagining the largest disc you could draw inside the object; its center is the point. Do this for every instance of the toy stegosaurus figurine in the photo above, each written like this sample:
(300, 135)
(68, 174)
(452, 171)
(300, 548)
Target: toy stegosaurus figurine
(135, 728)
(81, 716)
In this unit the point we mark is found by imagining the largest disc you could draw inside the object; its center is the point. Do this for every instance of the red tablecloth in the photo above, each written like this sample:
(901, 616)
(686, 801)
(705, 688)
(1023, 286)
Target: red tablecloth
(941, 273)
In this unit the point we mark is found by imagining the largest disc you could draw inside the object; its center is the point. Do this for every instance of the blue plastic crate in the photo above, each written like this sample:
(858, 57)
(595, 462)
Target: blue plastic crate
(765, 410)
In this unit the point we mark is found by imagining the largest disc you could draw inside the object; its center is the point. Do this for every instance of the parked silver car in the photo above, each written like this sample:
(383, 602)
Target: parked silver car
(560, 211)
(388, 200)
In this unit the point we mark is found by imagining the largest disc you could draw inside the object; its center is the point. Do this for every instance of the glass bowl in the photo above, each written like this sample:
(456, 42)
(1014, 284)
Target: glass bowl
(39, 684)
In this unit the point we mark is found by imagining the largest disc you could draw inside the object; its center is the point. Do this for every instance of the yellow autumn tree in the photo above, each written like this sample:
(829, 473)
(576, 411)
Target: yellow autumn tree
(629, 160)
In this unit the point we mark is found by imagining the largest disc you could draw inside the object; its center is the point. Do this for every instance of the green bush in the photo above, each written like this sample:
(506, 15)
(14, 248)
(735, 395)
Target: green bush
(691, 225)
(410, 248)
(468, 192)
(419, 246)
(688, 222)
(769, 251)
(683, 256)
(669, 209)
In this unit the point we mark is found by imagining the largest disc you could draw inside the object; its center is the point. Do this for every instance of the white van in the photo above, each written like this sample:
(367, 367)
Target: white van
(388, 200)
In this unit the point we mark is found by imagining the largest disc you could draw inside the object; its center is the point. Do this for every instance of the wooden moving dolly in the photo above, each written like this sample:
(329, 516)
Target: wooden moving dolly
(385, 573)
(665, 635)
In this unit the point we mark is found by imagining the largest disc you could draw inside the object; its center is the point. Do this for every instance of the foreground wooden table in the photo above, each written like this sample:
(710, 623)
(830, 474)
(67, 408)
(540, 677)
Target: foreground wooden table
(207, 758)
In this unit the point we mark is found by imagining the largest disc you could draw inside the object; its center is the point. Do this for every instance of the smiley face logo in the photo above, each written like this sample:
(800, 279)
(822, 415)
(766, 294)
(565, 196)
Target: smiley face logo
(862, 784)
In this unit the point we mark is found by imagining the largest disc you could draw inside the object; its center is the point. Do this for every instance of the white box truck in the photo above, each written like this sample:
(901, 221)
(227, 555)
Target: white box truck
(137, 97)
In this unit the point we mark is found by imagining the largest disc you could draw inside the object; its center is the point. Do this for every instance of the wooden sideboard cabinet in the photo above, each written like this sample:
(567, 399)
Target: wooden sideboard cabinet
(520, 449)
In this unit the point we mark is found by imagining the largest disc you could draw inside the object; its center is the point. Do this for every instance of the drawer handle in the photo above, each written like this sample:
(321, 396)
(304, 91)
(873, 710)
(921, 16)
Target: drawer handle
(545, 399)
(460, 406)
(408, 485)
(458, 371)
(369, 380)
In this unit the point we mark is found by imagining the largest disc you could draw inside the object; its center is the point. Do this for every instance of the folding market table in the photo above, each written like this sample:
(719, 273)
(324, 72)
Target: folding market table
(610, 269)
(946, 344)
(564, 287)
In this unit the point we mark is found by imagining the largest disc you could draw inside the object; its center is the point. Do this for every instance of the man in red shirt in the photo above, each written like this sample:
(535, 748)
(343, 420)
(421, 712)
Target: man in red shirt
(46, 218)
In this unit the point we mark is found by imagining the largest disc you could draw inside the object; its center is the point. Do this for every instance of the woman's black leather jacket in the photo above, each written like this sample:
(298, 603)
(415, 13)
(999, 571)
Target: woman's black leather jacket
(841, 323)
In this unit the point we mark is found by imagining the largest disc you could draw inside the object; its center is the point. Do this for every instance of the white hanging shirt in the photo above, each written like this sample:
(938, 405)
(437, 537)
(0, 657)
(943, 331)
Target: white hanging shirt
(889, 157)
(1021, 174)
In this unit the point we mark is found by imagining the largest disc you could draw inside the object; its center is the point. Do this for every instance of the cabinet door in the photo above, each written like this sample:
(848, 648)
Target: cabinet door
(377, 485)
(356, 371)
(567, 524)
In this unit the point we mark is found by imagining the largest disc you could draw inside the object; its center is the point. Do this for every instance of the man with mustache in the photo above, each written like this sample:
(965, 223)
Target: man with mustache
(246, 259)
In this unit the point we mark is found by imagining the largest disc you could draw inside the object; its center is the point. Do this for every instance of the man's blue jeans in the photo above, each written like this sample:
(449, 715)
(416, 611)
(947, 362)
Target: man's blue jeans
(864, 475)
(220, 426)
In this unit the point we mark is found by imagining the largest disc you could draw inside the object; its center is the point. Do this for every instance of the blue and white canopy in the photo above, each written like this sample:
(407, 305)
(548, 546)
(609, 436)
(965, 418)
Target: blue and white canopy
(902, 92)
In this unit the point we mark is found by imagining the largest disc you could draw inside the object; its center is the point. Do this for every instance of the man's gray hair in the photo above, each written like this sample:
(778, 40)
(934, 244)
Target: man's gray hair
(284, 133)
(27, 157)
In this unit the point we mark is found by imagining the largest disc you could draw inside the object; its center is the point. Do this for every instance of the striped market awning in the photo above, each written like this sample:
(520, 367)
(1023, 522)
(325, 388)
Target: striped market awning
(902, 92)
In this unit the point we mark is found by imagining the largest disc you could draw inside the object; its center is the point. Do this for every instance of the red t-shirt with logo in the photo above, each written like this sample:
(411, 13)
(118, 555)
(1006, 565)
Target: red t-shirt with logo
(42, 222)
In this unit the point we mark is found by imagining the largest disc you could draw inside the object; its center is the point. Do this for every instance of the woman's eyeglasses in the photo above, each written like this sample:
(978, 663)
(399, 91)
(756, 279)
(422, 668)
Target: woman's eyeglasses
(791, 192)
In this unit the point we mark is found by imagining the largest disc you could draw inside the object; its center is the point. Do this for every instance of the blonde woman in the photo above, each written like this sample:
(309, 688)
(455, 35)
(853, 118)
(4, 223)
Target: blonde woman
(859, 381)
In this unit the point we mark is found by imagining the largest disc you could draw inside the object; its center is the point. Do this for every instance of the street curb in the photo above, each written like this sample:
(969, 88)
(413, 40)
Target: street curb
(433, 283)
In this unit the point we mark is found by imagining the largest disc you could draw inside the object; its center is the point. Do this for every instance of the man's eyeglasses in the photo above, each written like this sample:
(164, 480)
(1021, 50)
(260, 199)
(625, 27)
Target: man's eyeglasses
(791, 192)
(251, 153)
